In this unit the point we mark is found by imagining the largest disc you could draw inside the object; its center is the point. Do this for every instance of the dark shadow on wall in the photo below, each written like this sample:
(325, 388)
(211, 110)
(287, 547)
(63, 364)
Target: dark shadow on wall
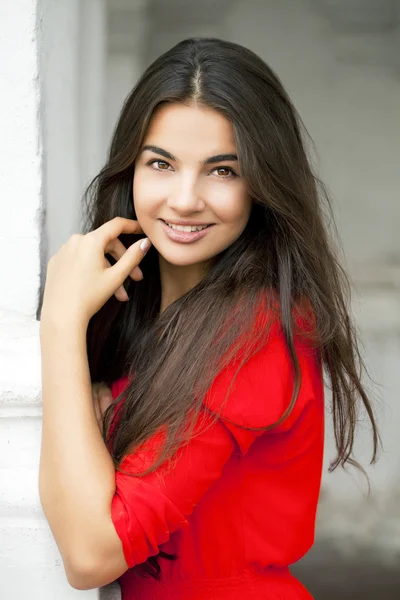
(331, 576)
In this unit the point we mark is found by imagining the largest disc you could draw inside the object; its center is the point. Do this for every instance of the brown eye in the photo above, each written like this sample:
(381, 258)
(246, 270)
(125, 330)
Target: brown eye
(159, 165)
(225, 172)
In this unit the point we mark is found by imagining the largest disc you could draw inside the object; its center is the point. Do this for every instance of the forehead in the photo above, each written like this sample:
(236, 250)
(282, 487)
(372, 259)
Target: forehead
(178, 126)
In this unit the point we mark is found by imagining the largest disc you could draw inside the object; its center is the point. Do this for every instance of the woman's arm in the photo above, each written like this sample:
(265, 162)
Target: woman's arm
(105, 522)
(77, 475)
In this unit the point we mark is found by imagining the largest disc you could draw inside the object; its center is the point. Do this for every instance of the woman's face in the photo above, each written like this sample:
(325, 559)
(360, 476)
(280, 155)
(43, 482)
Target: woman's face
(187, 174)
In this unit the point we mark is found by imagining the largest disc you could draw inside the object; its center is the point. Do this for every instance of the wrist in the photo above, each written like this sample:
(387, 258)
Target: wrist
(69, 325)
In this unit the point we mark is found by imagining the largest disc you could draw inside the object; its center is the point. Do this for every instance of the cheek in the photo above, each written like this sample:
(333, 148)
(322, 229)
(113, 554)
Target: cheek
(147, 195)
(233, 209)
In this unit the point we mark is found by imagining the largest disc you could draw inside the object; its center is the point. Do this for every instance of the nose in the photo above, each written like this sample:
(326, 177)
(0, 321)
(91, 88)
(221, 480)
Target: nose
(184, 197)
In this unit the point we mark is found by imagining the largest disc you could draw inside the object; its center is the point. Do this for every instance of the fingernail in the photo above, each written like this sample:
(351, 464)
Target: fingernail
(145, 244)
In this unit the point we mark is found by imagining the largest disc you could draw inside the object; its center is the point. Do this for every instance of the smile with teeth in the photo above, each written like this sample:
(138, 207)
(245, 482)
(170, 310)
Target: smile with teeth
(186, 227)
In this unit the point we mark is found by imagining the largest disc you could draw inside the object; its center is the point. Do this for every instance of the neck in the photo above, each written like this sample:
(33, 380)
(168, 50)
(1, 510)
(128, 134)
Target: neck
(178, 280)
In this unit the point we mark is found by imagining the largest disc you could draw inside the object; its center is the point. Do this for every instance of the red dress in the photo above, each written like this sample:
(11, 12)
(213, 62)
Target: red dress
(239, 506)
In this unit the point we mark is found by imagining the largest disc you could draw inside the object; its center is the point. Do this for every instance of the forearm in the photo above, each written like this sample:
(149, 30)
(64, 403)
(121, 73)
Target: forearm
(77, 475)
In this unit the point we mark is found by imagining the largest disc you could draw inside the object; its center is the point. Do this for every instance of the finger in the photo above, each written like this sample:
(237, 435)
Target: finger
(132, 257)
(137, 274)
(121, 294)
(117, 249)
(110, 230)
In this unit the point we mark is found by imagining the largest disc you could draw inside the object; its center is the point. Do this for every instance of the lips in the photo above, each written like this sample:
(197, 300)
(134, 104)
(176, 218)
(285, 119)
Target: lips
(184, 236)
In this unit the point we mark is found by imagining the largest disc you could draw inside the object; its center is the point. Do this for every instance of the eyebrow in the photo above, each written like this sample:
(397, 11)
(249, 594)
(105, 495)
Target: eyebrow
(210, 160)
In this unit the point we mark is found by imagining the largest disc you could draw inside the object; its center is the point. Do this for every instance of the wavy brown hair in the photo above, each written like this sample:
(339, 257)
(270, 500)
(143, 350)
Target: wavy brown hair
(284, 259)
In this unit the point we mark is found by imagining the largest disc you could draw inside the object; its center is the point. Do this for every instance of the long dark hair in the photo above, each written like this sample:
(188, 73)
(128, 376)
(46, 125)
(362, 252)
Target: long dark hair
(285, 258)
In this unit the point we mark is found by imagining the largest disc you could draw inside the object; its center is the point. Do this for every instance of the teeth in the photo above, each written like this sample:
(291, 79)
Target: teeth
(187, 227)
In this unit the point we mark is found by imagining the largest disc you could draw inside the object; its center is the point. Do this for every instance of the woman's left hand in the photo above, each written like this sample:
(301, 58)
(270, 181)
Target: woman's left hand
(79, 279)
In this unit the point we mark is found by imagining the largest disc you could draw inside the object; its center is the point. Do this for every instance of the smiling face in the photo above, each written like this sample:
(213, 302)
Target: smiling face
(187, 174)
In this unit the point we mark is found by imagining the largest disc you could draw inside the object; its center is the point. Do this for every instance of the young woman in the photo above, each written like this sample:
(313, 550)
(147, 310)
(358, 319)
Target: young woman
(202, 480)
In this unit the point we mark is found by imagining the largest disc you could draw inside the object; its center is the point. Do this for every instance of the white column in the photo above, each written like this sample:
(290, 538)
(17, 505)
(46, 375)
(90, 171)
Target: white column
(22, 531)
(39, 182)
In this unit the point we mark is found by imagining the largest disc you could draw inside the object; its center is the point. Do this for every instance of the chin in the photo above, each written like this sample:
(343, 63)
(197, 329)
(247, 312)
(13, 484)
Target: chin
(184, 256)
(184, 261)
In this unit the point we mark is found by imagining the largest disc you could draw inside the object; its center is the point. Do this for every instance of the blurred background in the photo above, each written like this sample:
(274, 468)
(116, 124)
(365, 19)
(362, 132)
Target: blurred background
(340, 62)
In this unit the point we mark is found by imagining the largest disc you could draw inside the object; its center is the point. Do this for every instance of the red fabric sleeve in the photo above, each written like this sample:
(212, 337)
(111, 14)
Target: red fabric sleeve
(263, 388)
(146, 510)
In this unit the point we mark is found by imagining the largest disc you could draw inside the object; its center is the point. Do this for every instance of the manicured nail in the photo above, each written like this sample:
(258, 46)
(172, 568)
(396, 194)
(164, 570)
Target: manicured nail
(145, 244)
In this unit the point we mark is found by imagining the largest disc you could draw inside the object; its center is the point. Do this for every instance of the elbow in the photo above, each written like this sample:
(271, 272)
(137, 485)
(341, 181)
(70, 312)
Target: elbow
(82, 574)
(88, 570)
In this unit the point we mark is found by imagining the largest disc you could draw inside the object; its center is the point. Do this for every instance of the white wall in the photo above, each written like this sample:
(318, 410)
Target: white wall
(20, 229)
(40, 183)
(21, 156)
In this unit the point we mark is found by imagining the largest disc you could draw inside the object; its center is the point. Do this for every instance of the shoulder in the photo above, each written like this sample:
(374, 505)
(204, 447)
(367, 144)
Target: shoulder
(257, 392)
